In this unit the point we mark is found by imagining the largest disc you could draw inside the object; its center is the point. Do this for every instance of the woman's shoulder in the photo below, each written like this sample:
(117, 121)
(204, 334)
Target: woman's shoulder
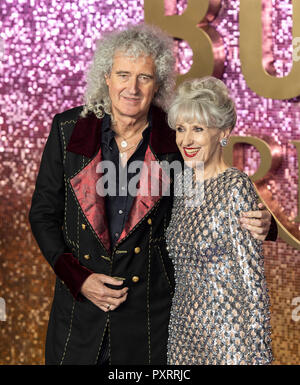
(241, 192)
(237, 179)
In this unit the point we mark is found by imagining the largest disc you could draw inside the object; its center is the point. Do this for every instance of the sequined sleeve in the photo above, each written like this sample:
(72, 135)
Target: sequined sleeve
(249, 259)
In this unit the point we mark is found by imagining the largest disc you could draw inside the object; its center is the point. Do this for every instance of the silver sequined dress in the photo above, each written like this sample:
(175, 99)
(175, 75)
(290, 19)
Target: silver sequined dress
(220, 309)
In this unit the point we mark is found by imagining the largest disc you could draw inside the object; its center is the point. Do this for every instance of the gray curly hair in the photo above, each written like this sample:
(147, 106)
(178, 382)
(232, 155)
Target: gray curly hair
(205, 100)
(134, 41)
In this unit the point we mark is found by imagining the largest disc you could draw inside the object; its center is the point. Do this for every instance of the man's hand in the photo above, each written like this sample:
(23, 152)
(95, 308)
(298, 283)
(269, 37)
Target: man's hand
(257, 222)
(106, 299)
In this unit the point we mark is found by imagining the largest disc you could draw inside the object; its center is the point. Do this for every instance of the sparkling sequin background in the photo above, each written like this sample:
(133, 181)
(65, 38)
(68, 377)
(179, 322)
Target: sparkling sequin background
(45, 49)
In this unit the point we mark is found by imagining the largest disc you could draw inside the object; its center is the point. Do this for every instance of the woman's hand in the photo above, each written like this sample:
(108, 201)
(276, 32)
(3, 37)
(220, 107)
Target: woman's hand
(257, 222)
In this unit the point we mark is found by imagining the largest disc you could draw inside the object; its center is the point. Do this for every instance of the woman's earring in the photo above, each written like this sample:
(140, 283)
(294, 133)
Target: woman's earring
(224, 142)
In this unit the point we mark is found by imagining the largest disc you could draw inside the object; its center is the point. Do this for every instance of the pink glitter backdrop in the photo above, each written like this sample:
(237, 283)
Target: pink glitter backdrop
(45, 49)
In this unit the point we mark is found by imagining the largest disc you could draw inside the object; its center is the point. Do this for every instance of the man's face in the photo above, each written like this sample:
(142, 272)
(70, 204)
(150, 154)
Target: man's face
(132, 85)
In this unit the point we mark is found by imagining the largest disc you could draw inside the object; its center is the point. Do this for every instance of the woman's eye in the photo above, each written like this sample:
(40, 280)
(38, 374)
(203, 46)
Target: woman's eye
(179, 129)
(198, 129)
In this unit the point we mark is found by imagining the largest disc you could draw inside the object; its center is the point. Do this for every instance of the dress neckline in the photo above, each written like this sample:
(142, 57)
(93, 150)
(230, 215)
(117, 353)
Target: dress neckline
(220, 174)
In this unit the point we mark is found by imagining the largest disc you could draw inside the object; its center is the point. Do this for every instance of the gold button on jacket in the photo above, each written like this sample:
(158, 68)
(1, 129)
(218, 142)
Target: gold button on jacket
(135, 279)
(149, 221)
(137, 250)
(86, 256)
(83, 226)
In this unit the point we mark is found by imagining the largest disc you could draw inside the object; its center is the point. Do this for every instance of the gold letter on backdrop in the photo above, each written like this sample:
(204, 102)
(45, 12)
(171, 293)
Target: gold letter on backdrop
(251, 54)
(206, 59)
(260, 145)
(287, 229)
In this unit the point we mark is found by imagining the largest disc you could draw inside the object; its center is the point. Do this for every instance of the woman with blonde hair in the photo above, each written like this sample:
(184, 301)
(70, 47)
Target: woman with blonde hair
(220, 309)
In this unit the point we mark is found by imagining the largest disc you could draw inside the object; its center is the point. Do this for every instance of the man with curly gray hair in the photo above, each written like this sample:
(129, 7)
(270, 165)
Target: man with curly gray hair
(115, 281)
(133, 42)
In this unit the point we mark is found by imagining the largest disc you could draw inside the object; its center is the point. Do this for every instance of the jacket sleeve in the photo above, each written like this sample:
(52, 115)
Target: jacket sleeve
(47, 213)
(248, 254)
(273, 231)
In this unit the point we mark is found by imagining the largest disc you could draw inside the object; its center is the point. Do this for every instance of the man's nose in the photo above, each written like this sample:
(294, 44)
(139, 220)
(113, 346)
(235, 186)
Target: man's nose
(133, 85)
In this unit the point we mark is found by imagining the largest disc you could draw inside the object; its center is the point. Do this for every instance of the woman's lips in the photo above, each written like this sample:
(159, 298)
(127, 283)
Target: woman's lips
(190, 152)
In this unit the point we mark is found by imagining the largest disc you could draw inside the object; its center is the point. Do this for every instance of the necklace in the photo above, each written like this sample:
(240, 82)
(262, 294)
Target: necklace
(122, 153)
(124, 142)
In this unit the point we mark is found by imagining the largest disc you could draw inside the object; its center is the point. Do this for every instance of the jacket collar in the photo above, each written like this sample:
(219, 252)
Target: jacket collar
(86, 136)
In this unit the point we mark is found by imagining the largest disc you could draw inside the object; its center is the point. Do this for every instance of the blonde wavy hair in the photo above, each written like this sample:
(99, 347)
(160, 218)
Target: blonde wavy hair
(134, 41)
(205, 100)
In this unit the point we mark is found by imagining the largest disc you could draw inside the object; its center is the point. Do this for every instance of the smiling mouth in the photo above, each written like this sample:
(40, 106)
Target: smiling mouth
(134, 100)
(190, 152)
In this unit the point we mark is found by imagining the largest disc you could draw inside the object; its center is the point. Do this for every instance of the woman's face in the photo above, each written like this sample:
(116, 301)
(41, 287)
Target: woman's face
(197, 142)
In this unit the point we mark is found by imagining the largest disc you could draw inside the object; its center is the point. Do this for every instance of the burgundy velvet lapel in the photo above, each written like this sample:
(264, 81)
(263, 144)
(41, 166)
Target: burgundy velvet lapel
(163, 138)
(86, 136)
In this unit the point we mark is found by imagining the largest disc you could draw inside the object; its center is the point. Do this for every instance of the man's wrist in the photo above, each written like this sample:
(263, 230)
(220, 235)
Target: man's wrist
(69, 270)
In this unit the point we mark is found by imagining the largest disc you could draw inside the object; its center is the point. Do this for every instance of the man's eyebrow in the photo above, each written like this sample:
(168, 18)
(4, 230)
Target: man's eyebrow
(148, 75)
(122, 72)
(141, 74)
